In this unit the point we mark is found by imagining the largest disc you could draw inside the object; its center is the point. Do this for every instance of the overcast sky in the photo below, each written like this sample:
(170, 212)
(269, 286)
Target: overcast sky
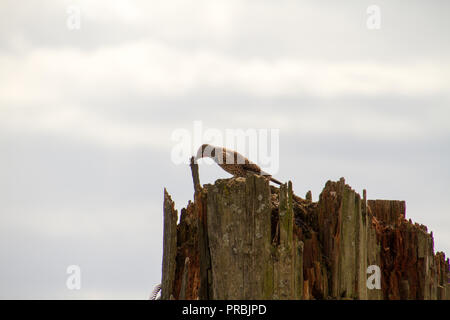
(87, 115)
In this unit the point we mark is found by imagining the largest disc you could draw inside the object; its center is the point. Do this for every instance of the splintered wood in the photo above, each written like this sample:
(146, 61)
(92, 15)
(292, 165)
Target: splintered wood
(244, 239)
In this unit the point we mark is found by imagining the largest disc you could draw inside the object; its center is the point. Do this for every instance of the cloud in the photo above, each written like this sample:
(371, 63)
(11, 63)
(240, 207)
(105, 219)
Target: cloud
(73, 222)
(65, 86)
(118, 249)
(86, 119)
(151, 68)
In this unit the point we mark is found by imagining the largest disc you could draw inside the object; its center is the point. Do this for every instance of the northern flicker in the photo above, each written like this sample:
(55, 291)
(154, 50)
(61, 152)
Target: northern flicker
(232, 162)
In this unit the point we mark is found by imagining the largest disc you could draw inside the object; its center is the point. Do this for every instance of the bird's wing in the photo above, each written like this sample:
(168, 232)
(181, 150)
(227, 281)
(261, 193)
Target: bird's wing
(263, 173)
(234, 157)
(252, 167)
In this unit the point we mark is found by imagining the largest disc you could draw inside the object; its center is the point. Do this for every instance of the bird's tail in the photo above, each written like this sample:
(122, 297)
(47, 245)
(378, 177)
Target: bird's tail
(276, 181)
(269, 176)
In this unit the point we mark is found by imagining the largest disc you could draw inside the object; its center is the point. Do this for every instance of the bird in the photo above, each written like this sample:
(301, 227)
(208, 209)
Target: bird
(232, 162)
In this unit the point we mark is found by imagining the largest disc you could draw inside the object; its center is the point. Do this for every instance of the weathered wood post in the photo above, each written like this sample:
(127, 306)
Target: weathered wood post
(243, 239)
(169, 247)
(239, 233)
(230, 244)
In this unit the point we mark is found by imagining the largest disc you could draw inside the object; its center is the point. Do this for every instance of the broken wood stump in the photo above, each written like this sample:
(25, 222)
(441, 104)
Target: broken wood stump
(243, 239)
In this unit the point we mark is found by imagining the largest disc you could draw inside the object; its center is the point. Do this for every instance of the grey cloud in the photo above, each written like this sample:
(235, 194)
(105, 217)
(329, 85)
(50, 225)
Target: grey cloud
(324, 30)
(67, 197)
